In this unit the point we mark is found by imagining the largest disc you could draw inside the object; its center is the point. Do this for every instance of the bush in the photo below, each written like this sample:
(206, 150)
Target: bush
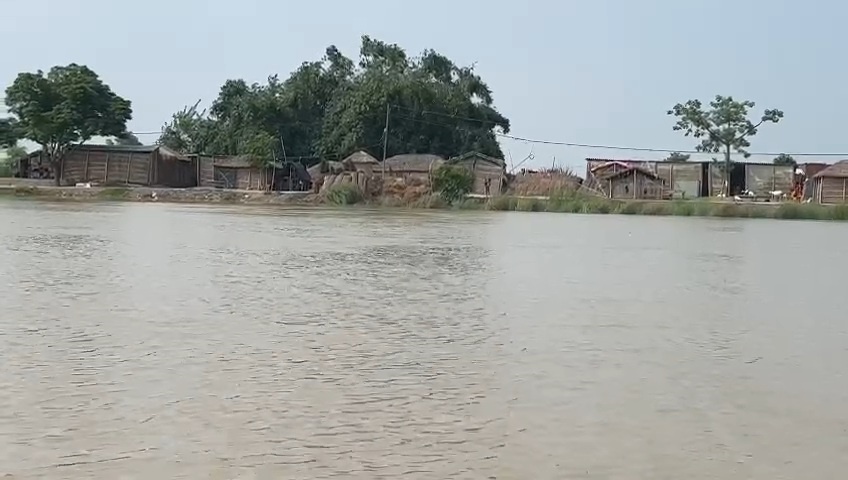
(452, 183)
(345, 194)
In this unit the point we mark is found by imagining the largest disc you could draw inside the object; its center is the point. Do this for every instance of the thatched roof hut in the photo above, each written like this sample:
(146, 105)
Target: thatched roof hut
(413, 163)
(831, 184)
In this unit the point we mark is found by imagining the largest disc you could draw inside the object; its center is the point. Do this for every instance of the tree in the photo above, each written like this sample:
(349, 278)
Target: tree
(65, 107)
(785, 160)
(127, 139)
(677, 157)
(8, 132)
(334, 106)
(189, 131)
(723, 128)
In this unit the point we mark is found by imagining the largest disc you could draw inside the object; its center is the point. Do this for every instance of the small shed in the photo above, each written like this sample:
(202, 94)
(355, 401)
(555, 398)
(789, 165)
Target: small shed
(629, 183)
(489, 172)
(831, 184)
(413, 166)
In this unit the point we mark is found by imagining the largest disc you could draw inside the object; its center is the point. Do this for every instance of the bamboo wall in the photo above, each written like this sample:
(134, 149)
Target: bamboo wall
(762, 179)
(107, 168)
(831, 189)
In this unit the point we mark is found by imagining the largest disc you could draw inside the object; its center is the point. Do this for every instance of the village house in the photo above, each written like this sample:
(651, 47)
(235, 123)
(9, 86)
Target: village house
(413, 166)
(242, 173)
(145, 165)
(622, 181)
(489, 172)
(830, 185)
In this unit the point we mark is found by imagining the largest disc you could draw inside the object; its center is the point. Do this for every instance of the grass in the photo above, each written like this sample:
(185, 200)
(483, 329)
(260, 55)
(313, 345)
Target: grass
(345, 194)
(570, 202)
(564, 201)
(114, 193)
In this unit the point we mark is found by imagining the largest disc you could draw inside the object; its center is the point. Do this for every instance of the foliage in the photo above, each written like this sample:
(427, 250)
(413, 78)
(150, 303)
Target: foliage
(332, 107)
(8, 165)
(722, 128)
(452, 182)
(66, 106)
(677, 157)
(189, 131)
(785, 160)
(9, 134)
(127, 139)
(345, 194)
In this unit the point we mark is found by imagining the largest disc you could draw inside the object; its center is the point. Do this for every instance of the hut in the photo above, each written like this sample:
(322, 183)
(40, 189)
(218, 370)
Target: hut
(145, 165)
(489, 172)
(831, 184)
(412, 166)
(361, 162)
(622, 181)
(241, 172)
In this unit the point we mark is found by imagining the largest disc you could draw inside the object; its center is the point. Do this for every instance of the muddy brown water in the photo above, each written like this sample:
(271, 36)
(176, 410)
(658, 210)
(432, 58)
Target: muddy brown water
(161, 341)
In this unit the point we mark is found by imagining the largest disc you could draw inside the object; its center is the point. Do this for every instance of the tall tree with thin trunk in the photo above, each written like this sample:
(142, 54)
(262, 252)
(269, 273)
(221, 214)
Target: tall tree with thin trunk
(724, 127)
(64, 108)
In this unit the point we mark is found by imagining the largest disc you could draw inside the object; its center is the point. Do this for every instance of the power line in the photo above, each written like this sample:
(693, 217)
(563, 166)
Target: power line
(605, 147)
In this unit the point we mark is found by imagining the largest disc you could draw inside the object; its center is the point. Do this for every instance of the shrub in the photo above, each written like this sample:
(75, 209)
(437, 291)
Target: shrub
(345, 194)
(452, 182)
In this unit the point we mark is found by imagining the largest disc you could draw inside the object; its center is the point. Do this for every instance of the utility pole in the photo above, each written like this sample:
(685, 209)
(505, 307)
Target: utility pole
(286, 161)
(385, 148)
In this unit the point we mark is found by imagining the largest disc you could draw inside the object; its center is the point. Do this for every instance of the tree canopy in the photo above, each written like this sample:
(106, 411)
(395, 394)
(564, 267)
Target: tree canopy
(677, 157)
(66, 106)
(334, 106)
(784, 160)
(722, 128)
(8, 133)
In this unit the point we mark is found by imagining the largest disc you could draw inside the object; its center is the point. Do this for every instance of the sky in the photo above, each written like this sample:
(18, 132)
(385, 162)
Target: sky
(597, 72)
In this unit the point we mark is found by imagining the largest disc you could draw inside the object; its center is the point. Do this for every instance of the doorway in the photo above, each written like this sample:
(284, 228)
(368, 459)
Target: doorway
(736, 179)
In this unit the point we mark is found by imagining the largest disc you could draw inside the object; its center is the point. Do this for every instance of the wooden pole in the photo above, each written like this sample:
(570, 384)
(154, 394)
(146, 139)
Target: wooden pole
(85, 171)
(385, 149)
(843, 189)
(129, 168)
(106, 173)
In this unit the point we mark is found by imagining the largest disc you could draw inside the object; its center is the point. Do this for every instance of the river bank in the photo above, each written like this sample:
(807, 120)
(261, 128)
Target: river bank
(568, 202)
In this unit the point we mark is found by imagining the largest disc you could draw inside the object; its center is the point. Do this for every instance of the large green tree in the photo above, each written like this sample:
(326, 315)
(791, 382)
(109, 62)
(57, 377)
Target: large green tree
(333, 106)
(65, 107)
(8, 132)
(722, 127)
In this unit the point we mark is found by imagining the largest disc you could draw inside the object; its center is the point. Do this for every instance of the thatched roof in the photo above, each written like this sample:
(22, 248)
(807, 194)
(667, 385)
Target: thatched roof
(486, 158)
(331, 167)
(414, 162)
(837, 170)
(628, 171)
(360, 158)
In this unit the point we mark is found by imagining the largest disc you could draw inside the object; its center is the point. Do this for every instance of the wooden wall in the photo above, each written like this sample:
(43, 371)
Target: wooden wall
(683, 177)
(483, 170)
(831, 190)
(762, 179)
(107, 168)
(634, 186)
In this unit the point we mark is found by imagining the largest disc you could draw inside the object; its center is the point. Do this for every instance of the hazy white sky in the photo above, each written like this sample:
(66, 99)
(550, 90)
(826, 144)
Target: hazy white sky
(594, 72)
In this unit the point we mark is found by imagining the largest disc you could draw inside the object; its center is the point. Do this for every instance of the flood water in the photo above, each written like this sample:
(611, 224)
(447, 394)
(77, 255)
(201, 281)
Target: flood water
(146, 341)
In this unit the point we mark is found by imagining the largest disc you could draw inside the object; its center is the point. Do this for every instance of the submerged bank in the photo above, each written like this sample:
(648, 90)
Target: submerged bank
(564, 203)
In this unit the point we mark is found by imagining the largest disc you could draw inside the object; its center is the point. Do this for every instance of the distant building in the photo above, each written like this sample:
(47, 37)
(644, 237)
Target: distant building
(622, 181)
(413, 166)
(242, 173)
